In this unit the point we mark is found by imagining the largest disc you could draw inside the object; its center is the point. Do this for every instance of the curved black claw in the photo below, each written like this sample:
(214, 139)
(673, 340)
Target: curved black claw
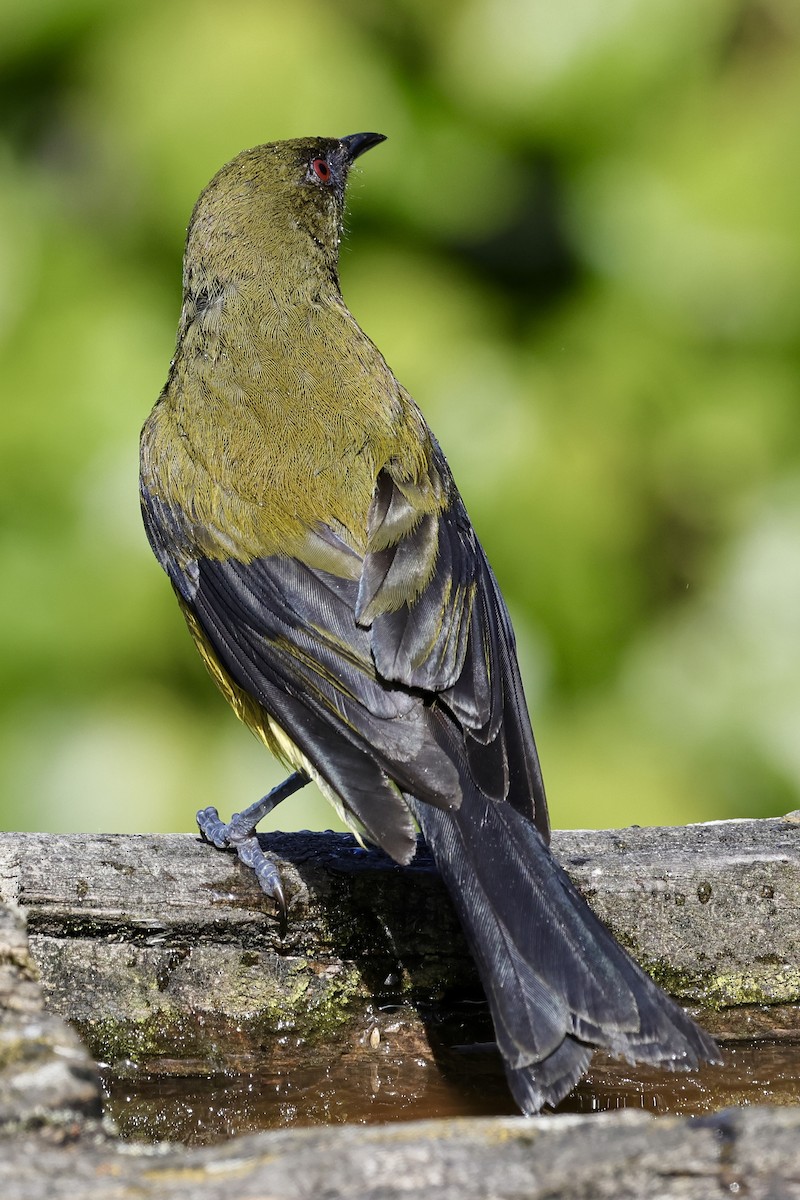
(267, 874)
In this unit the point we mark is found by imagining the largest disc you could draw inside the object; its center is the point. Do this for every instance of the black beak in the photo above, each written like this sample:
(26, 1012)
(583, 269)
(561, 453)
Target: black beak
(357, 143)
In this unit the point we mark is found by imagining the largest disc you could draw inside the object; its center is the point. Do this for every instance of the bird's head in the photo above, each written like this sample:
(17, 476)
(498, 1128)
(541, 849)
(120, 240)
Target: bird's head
(275, 210)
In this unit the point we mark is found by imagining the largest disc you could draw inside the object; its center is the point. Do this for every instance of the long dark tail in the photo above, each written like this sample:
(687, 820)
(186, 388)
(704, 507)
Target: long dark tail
(559, 986)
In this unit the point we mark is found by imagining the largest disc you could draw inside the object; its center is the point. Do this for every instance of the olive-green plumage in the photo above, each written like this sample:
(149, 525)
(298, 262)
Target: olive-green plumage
(334, 585)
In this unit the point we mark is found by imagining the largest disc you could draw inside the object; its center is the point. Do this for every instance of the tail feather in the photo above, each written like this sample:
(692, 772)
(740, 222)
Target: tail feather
(558, 984)
(552, 1080)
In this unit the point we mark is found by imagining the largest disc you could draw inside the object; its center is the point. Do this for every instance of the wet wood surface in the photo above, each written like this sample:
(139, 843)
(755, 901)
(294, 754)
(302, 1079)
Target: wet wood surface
(134, 926)
(132, 939)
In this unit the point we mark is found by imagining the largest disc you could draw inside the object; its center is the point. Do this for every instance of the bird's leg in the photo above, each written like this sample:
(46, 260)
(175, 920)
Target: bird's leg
(239, 834)
(243, 825)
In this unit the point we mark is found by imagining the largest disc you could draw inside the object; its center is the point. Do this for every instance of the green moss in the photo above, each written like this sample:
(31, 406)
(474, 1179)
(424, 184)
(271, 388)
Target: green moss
(310, 1002)
(775, 983)
(23, 1049)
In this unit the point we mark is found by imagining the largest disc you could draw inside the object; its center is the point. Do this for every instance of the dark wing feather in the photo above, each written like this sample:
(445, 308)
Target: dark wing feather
(439, 624)
(369, 793)
(276, 622)
(408, 661)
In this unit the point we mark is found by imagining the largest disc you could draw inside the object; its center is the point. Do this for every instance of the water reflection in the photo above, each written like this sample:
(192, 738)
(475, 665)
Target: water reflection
(372, 1082)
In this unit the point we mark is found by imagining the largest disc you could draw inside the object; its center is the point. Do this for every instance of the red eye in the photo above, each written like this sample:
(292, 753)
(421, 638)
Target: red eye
(321, 170)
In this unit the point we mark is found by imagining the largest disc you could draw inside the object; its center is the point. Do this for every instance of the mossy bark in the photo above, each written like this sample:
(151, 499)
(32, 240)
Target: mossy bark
(159, 947)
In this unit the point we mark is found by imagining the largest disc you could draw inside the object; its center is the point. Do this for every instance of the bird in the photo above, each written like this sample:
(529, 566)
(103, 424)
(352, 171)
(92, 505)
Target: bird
(337, 592)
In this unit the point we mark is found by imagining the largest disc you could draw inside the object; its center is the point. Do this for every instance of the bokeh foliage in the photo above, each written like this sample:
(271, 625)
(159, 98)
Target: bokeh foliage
(580, 249)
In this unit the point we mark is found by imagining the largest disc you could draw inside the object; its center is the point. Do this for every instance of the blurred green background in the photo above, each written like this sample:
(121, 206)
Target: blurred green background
(579, 249)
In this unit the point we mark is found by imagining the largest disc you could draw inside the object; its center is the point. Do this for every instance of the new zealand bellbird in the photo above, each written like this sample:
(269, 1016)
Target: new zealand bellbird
(335, 587)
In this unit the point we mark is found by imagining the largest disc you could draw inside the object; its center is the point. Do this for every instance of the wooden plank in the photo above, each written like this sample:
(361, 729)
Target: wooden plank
(135, 937)
(136, 925)
(616, 1156)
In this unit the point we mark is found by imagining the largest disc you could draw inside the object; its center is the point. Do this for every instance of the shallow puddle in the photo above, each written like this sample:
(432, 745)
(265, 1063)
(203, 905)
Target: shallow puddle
(373, 1079)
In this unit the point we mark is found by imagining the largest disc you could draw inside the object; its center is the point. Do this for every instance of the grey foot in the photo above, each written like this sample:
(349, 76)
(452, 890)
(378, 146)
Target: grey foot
(239, 834)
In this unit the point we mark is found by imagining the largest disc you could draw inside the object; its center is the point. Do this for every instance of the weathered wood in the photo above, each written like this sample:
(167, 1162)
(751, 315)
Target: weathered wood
(713, 911)
(134, 936)
(148, 942)
(44, 1068)
(616, 1156)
